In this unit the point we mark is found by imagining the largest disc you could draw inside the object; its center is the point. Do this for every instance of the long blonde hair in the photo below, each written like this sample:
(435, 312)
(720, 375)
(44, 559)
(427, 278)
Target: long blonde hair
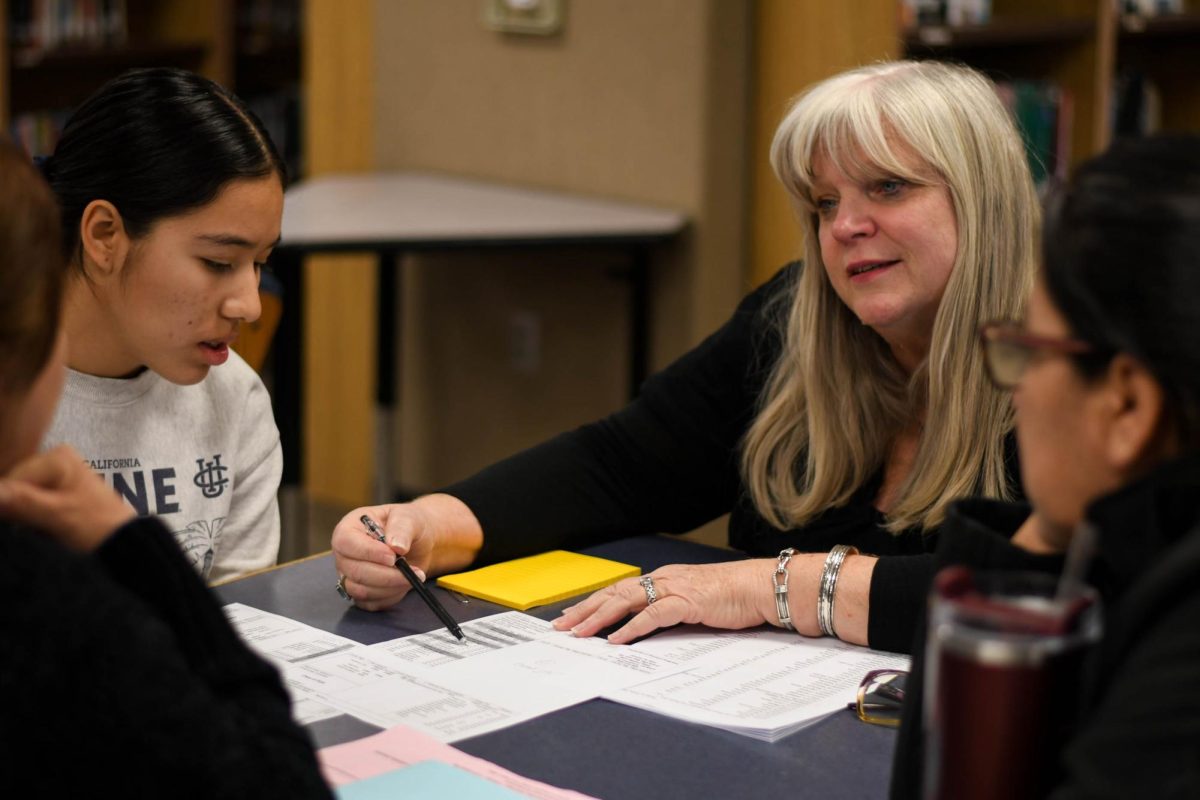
(836, 398)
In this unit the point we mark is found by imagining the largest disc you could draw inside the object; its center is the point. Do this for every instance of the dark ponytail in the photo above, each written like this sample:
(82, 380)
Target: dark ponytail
(155, 143)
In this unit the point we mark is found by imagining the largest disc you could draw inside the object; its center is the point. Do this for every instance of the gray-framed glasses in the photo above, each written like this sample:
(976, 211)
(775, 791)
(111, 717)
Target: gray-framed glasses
(1008, 350)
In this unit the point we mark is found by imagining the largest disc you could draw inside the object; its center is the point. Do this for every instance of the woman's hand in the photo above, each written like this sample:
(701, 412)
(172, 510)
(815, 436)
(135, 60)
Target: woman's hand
(57, 493)
(734, 594)
(435, 534)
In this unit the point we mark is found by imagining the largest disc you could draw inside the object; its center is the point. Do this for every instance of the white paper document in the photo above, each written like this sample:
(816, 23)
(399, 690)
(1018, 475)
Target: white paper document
(760, 683)
(514, 667)
(282, 640)
(356, 683)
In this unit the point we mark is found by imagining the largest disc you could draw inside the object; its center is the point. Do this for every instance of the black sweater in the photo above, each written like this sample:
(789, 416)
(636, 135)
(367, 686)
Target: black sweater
(120, 673)
(1138, 727)
(668, 462)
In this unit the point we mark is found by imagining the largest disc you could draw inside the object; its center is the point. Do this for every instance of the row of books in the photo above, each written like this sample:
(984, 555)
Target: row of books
(915, 13)
(1044, 114)
(1149, 8)
(1137, 105)
(37, 27)
(260, 22)
(37, 132)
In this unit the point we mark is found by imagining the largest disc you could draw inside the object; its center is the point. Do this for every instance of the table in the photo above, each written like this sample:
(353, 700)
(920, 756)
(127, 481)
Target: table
(601, 748)
(392, 214)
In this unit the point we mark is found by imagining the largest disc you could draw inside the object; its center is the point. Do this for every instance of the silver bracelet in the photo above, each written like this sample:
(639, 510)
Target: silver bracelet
(829, 576)
(780, 581)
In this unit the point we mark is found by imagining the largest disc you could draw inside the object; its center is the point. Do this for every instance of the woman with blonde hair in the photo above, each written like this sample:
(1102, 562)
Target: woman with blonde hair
(839, 411)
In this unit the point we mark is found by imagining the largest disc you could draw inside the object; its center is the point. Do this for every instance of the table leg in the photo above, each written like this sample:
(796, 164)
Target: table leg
(639, 336)
(387, 372)
(287, 396)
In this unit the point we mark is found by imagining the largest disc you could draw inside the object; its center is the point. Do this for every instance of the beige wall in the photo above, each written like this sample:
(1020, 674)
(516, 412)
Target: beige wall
(644, 100)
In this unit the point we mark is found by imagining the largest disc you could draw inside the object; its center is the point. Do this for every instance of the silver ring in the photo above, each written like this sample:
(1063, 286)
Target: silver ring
(341, 589)
(648, 584)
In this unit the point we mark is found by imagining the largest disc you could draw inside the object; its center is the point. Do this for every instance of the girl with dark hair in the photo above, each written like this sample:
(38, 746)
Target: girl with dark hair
(1105, 375)
(171, 197)
(119, 668)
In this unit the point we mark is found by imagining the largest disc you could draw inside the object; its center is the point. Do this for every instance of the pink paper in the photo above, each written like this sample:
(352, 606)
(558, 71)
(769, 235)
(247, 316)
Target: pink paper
(400, 746)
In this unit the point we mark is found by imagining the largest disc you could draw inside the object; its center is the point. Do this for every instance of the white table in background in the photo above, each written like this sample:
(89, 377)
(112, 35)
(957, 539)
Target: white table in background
(391, 214)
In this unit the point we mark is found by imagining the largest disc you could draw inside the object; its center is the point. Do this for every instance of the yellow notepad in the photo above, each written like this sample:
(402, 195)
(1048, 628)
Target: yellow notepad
(537, 580)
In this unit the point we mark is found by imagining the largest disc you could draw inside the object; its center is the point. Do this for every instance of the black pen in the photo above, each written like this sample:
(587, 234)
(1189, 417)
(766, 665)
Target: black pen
(402, 565)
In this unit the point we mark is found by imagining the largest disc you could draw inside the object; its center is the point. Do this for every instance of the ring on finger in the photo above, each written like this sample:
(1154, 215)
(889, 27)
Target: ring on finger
(647, 583)
(341, 588)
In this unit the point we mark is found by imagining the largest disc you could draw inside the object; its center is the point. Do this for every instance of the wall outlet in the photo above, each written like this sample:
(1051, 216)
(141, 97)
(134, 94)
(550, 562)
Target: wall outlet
(525, 341)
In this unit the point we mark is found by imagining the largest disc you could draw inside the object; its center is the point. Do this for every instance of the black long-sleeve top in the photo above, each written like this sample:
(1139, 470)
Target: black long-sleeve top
(669, 462)
(1137, 730)
(119, 672)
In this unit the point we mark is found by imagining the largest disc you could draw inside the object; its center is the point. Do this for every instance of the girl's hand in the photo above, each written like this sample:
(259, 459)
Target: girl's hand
(58, 494)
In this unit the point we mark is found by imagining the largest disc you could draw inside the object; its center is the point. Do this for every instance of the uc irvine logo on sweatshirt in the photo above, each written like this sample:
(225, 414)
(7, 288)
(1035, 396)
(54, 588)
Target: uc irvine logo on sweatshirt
(160, 491)
(148, 491)
(210, 476)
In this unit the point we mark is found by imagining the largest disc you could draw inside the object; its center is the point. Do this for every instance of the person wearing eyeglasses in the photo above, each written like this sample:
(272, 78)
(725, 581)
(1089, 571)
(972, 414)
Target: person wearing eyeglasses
(834, 417)
(1104, 371)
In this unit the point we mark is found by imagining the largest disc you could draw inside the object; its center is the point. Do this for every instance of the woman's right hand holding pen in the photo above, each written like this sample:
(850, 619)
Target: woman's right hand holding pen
(436, 533)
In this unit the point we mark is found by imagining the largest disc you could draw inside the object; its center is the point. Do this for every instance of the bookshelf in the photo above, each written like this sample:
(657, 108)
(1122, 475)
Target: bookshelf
(1163, 49)
(54, 53)
(267, 68)
(1097, 57)
(1081, 46)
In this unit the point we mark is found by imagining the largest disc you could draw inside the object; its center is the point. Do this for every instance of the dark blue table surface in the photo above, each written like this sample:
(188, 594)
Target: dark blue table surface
(600, 748)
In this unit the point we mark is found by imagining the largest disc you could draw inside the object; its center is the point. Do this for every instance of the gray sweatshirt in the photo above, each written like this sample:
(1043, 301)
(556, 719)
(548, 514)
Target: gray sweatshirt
(204, 458)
